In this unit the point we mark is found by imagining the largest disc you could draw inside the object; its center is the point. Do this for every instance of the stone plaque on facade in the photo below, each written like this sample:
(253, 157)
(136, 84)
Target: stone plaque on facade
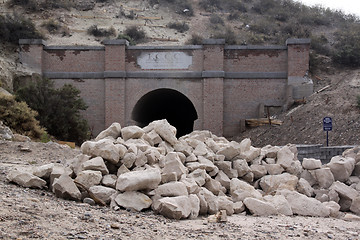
(164, 60)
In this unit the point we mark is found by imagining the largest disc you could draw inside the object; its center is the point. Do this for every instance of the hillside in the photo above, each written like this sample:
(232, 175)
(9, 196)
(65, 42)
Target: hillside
(264, 22)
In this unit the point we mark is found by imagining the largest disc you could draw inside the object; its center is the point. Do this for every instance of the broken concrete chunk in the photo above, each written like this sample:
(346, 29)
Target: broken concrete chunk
(102, 192)
(303, 205)
(104, 148)
(96, 164)
(64, 187)
(259, 207)
(139, 180)
(131, 132)
(113, 131)
(172, 189)
(133, 200)
(311, 163)
(89, 178)
(25, 179)
(175, 207)
(341, 167)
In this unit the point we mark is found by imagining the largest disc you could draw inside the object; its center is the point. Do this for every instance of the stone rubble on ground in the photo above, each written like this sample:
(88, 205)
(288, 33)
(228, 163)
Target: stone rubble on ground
(200, 174)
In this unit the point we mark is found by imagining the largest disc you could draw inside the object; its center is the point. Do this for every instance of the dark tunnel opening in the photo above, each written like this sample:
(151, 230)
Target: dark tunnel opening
(167, 104)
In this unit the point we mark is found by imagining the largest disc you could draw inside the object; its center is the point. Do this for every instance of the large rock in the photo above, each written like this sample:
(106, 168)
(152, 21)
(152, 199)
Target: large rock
(341, 167)
(285, 157)
(225, 203)
(43, 171)
(139, 180)
(303, 205)
(241, 166)
(25, 179)
(172, 189)
(324, 177)
(240, 190)
(200, 176)
(280, 203)
(104, 148)
(344, 190)
(113, 131)
(311, 163)
(195, 206)
(109, 180)
(174, 164)
(132, 132)
(274, 169)
(165, 130)
(222, 178)
(304, 187)
(64, 187)
(103, 193)
(96, 164)
(355, 205)
(226, 167)
(270, 183)
(211, 200)
(250, 154)
(334, 208)
(133, 200)
(175, 207)
(258, 170)
(214, 186)
(259, 207)
(89, 178)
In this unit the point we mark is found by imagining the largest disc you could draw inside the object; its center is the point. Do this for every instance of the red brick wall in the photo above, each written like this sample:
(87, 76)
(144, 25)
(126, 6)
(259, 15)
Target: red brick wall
(73, 61)
(255, 60)
(298, 56)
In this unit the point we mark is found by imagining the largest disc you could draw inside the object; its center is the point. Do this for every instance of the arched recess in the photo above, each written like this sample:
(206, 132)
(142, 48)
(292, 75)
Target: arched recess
(167, 104)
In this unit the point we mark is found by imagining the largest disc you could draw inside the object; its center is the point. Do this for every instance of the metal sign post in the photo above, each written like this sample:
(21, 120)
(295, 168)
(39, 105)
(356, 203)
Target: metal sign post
(327, 126)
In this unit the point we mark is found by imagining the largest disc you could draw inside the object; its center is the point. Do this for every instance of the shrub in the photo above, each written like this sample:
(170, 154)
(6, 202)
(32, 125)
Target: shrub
(101, 32)
(19, 117)
(216, 19)
(264, 6)
(35, 6)
(214, 5)
(195, 40)
(183, 7)
(128, 38)
(229, 36)
(15, 27)
(347, 47)
(179, 26)
(59, 109)
(136, 34)
(320, 45)
(52, 26)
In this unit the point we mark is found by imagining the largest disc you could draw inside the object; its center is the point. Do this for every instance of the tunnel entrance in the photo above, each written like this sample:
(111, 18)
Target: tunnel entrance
(167, 104)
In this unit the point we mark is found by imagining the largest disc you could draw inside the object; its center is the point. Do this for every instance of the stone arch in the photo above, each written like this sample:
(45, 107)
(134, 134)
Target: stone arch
(165, 103)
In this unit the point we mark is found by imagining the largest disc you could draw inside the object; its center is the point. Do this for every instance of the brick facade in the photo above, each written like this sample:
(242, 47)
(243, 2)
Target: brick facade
(224, 83)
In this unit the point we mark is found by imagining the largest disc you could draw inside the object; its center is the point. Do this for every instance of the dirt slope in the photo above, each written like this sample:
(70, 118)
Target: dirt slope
(303, 123)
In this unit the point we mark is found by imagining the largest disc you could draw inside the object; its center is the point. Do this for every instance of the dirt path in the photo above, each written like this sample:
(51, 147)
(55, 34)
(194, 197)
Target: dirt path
(30, 213)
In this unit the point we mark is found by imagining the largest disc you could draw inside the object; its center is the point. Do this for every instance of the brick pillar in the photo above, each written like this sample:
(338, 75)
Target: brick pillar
(31, 53)
(115, 83)
(298, 67)
(213, 85)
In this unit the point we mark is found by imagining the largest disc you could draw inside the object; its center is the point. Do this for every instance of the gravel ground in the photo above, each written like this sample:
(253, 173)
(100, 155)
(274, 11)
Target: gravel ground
(31, 213)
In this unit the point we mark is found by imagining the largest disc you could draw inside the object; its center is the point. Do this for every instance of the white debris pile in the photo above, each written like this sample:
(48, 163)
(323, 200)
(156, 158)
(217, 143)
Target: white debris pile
(199, 174)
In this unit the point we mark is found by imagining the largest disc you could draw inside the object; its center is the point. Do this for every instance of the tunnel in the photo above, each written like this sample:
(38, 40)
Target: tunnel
(167, 104)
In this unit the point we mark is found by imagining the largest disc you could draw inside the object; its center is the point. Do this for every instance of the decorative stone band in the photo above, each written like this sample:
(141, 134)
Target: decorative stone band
(167, 74)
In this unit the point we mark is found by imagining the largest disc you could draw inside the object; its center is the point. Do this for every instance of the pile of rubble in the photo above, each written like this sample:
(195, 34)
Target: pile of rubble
(199, 174)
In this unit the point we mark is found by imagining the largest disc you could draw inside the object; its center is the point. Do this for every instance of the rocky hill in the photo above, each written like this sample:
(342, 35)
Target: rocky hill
(173, 22)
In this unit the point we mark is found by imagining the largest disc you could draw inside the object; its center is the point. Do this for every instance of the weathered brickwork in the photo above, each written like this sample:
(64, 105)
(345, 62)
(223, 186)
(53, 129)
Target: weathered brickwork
(224, 83)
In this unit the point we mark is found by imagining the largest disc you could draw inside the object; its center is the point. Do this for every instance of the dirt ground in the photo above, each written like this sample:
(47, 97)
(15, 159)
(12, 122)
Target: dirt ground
(38, 214)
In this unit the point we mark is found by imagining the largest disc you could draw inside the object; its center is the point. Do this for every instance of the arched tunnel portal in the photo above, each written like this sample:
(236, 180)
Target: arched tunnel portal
(166, 104)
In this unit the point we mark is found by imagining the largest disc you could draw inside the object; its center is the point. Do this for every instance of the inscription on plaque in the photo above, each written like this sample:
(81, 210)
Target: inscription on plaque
(164, 60)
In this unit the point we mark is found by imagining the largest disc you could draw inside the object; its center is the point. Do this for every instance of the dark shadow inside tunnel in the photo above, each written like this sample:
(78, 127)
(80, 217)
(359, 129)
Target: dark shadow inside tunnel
(166, 104)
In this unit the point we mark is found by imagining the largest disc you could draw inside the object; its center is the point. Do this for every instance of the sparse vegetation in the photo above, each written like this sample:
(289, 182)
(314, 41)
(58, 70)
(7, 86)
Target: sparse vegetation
(15, 27)
(183, 7)
(216, 19)
(52, 26)
(134, 35)
(229, 36)
(358, 101)
(179, 26)
(347, 47)
(101, 32)
(35, 6)
(195, 40)
(19, 117)
(59, 109)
